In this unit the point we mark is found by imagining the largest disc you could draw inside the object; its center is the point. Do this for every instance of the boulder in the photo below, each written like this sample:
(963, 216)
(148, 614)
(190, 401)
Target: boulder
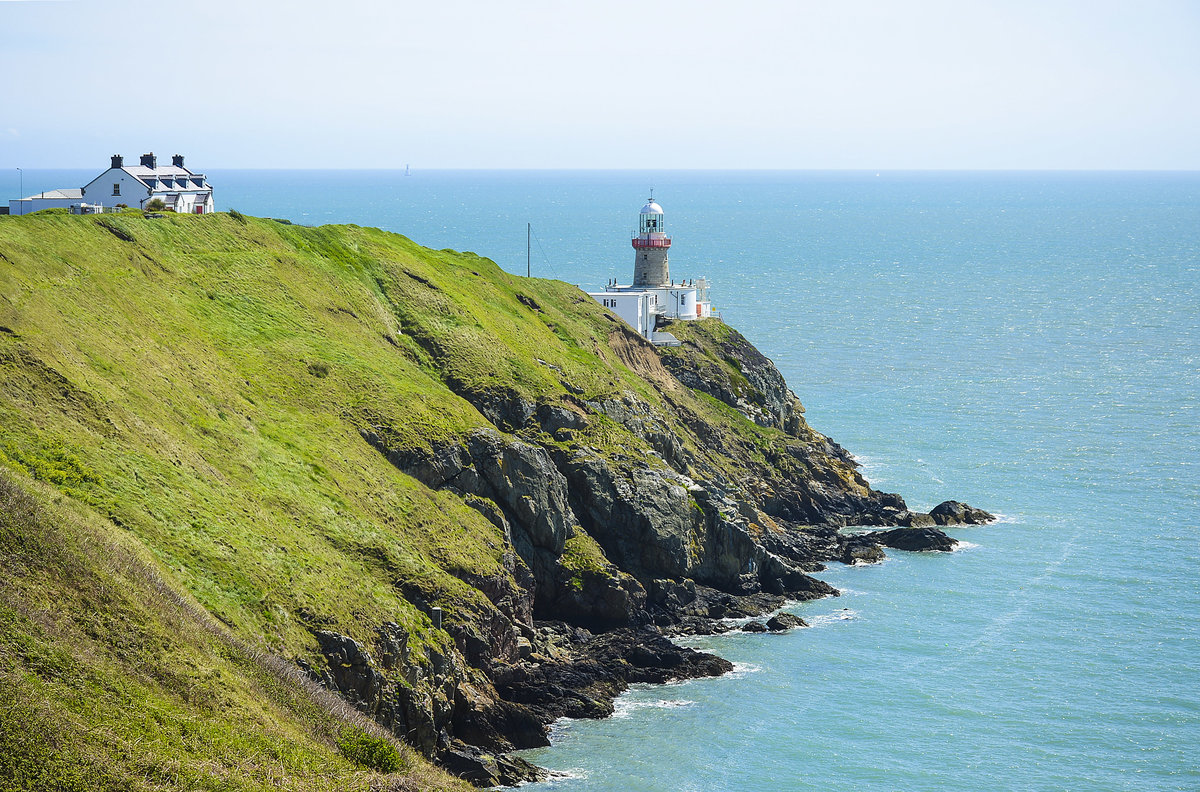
(861, 549)
(698, 625)
(915, 539)
(956, 513)
(911, 519)
(754, 627)
(785, 621)
(488, 769)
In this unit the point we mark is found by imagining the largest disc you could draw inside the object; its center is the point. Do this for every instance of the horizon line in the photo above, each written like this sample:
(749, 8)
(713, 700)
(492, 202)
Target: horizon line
(402, 169)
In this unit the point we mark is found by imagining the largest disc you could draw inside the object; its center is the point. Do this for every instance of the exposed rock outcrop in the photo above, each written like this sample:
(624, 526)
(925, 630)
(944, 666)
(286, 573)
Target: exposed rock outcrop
(955, 513)
(680, 527)
(915, 539)
(785, 621)
(576, 674)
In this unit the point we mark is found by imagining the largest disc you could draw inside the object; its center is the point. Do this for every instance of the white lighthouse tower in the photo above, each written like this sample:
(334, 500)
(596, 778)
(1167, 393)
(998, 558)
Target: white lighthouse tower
(653, 298)
(651, 245)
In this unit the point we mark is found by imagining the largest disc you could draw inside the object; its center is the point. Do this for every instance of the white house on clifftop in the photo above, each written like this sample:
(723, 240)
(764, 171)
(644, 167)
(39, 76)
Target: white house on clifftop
(178, 188)
(136, 185)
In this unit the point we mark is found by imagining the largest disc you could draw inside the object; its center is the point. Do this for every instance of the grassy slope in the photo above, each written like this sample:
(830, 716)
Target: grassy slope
(111, 680)
(196, 386)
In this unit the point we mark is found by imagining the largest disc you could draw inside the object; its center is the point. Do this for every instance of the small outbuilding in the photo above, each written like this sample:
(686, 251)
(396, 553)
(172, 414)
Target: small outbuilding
(50, 199)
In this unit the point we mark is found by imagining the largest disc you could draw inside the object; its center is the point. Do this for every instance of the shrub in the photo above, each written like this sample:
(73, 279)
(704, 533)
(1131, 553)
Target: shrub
(376, 753)
(236, 215)
(155, 205)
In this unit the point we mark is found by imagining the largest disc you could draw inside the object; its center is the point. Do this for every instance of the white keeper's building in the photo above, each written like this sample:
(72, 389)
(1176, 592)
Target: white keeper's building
(653, 295)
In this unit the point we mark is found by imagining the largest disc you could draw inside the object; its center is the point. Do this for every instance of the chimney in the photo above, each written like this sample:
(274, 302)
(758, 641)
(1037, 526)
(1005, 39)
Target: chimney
(177, 160)
(118, 161)
(149, 161)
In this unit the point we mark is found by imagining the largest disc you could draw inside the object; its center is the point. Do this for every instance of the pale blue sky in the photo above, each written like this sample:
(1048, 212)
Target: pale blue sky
(612, 84)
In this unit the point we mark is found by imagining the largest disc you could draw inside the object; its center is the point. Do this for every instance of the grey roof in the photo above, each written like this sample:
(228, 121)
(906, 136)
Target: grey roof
(61, 194)
(182, 179)
(161, 172)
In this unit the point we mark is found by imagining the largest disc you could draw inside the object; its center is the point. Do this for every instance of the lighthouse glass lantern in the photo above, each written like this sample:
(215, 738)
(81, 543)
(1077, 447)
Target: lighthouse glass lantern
(651, 220)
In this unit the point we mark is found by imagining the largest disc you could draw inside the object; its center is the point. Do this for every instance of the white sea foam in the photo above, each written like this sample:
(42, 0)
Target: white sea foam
(742, 669)
(559, 729)
(689, 641)
(964, 546)
(624, 707)
(556, 777)
(825, 619)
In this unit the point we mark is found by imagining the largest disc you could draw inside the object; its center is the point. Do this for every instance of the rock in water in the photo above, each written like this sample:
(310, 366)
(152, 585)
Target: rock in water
(955, 513)
(916, 539)
(785, 621)
(486, 769)
(861, 549)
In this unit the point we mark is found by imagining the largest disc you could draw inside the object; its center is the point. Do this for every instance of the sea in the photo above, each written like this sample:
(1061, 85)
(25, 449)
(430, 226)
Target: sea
(1027, 342)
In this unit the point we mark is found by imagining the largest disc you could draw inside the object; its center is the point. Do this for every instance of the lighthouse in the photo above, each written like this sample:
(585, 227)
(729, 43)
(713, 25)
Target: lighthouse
(653, 300)
(650, 248)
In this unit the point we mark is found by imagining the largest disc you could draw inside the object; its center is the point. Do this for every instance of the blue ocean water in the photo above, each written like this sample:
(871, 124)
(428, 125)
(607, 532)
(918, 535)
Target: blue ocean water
(1026, 342)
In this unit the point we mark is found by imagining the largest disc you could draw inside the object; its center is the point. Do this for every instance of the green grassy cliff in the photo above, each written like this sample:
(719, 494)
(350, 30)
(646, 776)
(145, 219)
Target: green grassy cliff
(232, 447)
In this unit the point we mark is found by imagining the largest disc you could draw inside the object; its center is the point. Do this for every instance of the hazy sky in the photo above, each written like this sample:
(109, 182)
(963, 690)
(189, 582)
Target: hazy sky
(603, 84)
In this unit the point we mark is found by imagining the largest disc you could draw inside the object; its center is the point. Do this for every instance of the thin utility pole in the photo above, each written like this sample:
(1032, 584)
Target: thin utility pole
(528, 242)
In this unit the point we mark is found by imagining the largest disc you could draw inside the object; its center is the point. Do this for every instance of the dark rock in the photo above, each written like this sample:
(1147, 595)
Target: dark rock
(698, 625)
(393, 645)
(955, 513)
(351, 671)
(753, 605)
(656, 524)
(754, 627)
(488, 769)
(911, 519)
(671, 594)
(493, 724)
(597, 600)
(554, 417)
(915, 539)
(861, 549)
(785, 621)
(587, 675)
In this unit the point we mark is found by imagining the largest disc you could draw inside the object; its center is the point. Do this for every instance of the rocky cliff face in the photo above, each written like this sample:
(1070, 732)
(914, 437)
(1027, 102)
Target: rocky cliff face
(689, 520)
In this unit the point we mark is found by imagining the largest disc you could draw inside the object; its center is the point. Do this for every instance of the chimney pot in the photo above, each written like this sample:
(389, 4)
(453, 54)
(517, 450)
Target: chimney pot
(177, 160)
(118, 161)
(149, 161)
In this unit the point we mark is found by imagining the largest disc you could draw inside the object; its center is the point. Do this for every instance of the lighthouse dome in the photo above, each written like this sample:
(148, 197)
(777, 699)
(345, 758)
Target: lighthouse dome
(652, 208)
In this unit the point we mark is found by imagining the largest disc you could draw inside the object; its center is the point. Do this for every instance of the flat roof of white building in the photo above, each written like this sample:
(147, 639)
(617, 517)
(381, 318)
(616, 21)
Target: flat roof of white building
(62, 194)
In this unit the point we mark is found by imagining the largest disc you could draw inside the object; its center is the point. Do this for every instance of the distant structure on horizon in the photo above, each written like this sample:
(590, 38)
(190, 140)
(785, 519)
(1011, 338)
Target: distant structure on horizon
(653, 297)
(178, 188)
